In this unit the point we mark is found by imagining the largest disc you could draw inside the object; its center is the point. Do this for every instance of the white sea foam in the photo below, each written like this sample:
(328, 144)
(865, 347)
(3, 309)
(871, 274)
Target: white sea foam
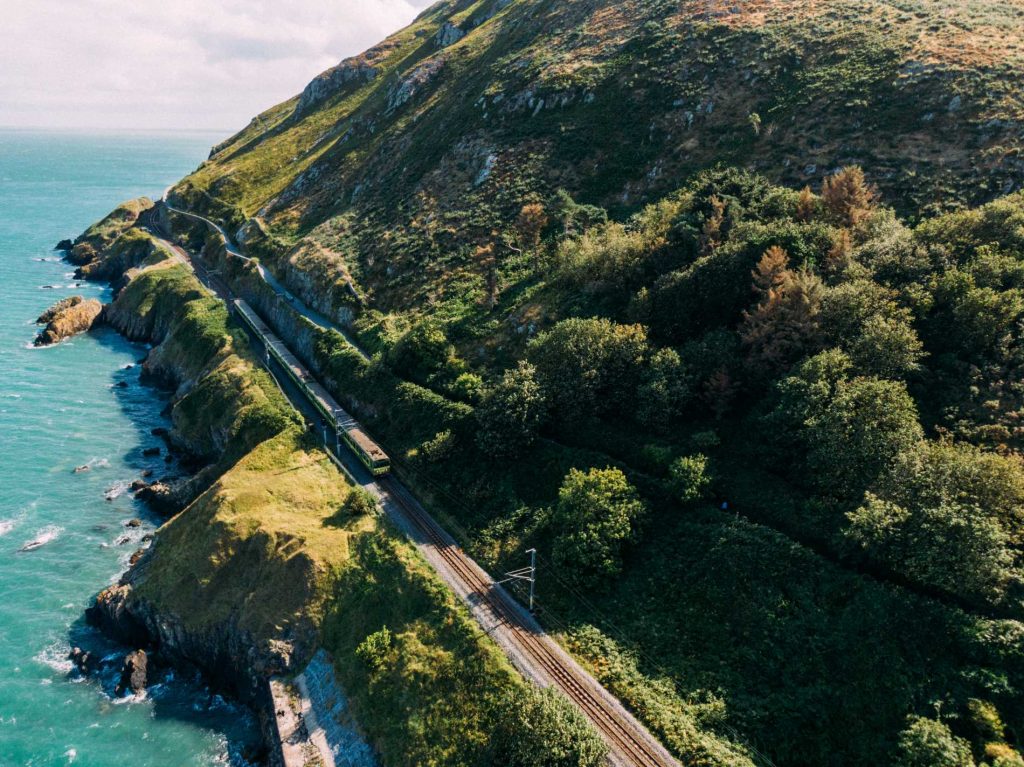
(6, 525)
(44, 536)
(117, 489)
(138, 697)
(55, 656)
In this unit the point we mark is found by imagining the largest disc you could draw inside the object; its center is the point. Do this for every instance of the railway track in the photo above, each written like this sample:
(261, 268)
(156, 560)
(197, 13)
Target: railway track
(628, 747)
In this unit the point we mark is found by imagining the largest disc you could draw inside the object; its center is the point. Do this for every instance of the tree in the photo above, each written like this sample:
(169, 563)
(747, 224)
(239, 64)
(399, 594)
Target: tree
(806, 205)
(588, 367)
(784, 324)
(849, 428)
(840, 255)
(540, 728)
(887, 347)
(719, 392)
(511, 413)
(421, 351)
(864, 318)
(771, 271)
(359, 502)
(530, 223)
(711, 232)
(576, 217)
(948, 517)
(929, 743)
(664, 390)
(688, 476)
(848, 197)
(594, 517)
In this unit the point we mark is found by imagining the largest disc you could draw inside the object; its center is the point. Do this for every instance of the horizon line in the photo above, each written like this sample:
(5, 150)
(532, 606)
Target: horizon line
(125, 129)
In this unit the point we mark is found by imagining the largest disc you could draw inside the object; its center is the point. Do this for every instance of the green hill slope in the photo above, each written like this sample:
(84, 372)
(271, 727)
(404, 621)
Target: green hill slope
(766, 438)
(400, 160)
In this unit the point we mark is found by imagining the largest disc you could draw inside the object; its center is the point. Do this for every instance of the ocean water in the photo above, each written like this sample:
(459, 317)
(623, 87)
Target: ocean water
(65, 407)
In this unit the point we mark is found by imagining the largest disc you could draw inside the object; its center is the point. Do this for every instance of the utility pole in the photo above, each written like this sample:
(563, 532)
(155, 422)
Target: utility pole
(525, 574)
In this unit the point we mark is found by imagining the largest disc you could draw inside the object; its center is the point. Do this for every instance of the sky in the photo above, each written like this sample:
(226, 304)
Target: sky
(174, 64)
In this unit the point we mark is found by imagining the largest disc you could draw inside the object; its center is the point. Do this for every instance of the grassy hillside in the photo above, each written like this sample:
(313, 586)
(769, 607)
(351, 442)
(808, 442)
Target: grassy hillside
(269, 559)
(398, 163)
(762, 422)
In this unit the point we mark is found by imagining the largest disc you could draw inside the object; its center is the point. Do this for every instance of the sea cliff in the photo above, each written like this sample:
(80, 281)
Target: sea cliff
(260, 563)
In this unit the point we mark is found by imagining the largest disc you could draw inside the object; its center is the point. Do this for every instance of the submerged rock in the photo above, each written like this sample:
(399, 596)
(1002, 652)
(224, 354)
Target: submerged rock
(67, 318)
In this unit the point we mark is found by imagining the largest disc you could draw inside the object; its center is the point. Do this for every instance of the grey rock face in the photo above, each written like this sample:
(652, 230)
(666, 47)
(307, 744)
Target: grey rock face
(333, 81)
(448, 34)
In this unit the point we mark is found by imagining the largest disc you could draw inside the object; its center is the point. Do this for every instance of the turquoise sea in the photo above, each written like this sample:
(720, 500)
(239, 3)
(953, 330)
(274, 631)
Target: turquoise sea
(66, 407)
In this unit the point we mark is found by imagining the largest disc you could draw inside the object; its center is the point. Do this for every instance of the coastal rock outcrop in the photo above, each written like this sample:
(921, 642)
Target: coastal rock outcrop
(228, 656)
(67, 318)
(133, 674)
(164, 498)
(85, 662)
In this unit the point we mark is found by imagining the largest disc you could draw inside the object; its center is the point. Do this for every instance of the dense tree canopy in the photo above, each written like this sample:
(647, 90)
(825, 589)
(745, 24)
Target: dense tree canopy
(594, 517)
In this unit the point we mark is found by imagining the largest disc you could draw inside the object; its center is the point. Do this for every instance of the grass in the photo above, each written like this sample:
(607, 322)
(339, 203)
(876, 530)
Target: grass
(637, 96)
(254, 550)
(266, 559)
(103, 233)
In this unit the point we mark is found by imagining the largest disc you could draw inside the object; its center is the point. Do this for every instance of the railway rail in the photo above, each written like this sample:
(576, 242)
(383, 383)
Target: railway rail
(529, 648)
(630, 745)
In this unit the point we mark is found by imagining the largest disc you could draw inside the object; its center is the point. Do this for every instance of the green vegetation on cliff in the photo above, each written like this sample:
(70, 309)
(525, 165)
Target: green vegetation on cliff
(842, 380)
(278, 555)
(394, 166)
(760, 416)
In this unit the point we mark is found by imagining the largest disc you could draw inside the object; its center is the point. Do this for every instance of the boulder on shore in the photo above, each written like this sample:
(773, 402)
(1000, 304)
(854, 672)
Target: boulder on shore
(133, 674)
(66, 318)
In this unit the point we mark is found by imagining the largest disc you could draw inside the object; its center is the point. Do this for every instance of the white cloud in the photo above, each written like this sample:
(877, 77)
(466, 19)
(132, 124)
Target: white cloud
(174, 63)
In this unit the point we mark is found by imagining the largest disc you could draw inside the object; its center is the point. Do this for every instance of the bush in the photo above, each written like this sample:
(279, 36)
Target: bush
(373, 651)
(540, 728)
(359, 503)
(689, 478)
(468, 387)
(928, 743)
(594, 517)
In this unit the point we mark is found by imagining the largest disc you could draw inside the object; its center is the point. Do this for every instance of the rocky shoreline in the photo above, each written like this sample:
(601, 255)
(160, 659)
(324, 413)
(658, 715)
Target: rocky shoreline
(230, 659)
